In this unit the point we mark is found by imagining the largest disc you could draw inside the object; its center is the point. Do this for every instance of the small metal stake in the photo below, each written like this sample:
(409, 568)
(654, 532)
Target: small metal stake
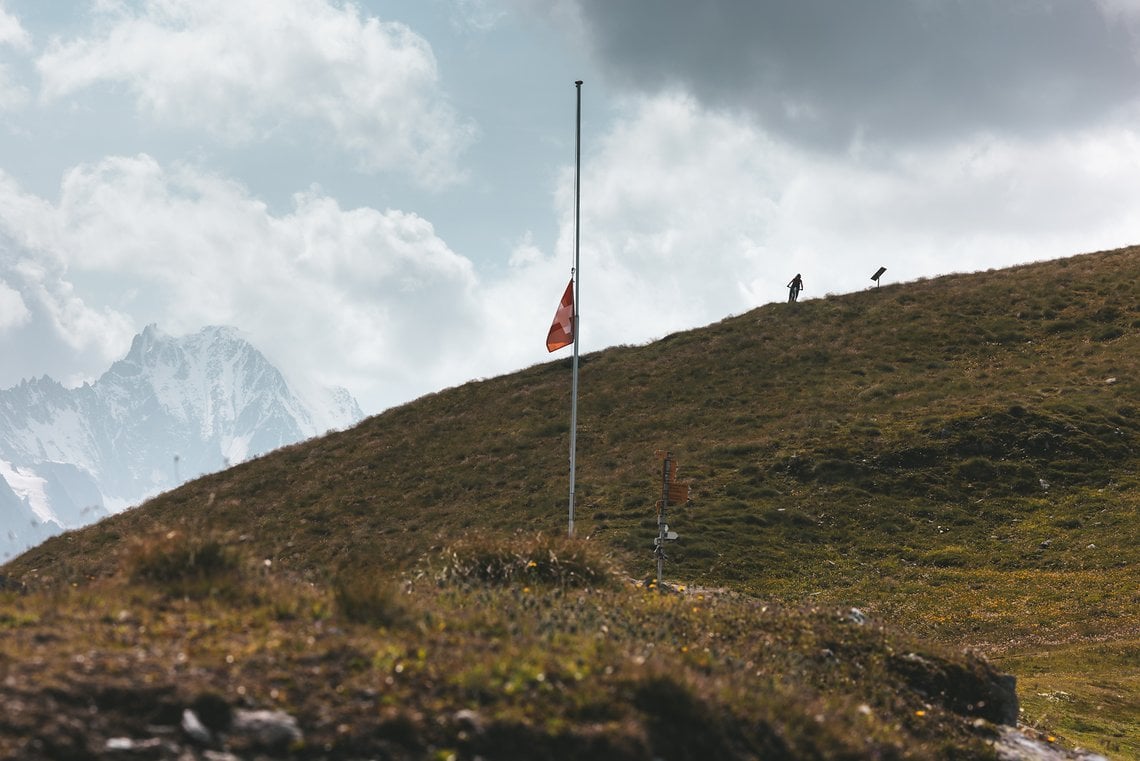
(662, 526)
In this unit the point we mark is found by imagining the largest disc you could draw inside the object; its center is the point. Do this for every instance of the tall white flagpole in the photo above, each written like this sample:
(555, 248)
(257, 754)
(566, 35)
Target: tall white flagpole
(577, 299)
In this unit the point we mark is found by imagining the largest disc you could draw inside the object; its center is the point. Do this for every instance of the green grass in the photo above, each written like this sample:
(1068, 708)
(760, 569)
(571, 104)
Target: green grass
(957, 456)
(1085, 692)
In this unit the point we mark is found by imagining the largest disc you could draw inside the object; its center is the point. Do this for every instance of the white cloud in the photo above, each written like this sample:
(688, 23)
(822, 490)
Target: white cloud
(13, 95)
(258, 68)
(371, 300)
(12, 32)
(689, 215)
(983, 203)
(32, 261)
(13, 311)
(476, 15)
(79, 325)
(678, 207)
(1127, 10)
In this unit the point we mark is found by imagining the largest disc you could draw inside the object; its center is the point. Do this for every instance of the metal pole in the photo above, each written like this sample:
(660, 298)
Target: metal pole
(577, 299)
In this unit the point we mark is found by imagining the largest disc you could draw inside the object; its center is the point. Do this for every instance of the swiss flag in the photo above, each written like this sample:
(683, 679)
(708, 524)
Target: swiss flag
(562, 330)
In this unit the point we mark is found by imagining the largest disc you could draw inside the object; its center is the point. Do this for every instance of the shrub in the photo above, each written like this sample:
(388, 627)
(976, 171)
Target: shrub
(1106, 314)
(951, 556)
(366, 597)
(977, 469)
(538, 560)
(184, 564)
(1063, 326)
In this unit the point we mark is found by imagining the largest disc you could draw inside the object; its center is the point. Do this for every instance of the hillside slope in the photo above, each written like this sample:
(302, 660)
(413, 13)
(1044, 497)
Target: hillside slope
(957, 456)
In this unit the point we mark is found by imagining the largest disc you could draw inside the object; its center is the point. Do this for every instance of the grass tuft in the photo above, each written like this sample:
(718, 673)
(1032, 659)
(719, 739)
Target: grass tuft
(185, 565)
(366, 597)
(540, 560)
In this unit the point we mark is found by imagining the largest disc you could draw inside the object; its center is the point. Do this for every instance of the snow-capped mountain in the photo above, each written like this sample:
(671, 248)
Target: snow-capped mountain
(171, 410)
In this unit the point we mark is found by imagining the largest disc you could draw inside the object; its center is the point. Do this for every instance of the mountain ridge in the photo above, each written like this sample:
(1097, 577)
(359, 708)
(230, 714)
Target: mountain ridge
(171, 407)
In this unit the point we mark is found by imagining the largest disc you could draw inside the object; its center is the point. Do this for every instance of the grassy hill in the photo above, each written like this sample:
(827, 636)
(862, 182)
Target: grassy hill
(956, 458)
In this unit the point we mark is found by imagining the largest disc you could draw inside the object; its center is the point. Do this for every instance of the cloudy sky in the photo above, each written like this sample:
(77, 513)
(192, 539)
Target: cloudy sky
(379, 193)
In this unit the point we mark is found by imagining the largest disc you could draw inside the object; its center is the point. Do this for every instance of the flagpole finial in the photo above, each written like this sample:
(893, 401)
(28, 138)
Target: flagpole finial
(578, 82)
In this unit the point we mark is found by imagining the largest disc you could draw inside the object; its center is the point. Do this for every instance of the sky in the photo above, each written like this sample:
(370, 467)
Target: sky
(380, 194)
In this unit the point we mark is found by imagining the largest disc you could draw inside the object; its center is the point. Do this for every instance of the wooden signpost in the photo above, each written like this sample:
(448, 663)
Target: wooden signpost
(672, 493)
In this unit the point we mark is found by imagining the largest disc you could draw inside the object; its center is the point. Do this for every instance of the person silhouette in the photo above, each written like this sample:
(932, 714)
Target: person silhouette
(795, 287)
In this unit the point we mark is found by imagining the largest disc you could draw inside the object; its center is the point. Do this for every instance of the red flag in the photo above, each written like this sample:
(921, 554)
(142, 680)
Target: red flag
(562, 330)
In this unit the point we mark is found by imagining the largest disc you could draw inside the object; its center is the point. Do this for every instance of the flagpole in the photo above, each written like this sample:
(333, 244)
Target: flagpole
(577, 299)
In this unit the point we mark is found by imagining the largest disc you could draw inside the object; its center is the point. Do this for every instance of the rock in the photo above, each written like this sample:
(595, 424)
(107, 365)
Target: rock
(213, 711)
(969, 688)
(1013, 745)
(265, 729)
(195, 730)
(126, 747)
(469, 721)
(856, 616)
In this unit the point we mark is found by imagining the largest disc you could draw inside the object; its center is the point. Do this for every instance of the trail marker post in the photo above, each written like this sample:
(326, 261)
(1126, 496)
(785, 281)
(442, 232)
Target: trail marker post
(671, 492)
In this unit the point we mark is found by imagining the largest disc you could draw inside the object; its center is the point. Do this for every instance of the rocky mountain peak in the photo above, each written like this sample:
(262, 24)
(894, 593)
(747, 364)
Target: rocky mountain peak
(171, 409)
